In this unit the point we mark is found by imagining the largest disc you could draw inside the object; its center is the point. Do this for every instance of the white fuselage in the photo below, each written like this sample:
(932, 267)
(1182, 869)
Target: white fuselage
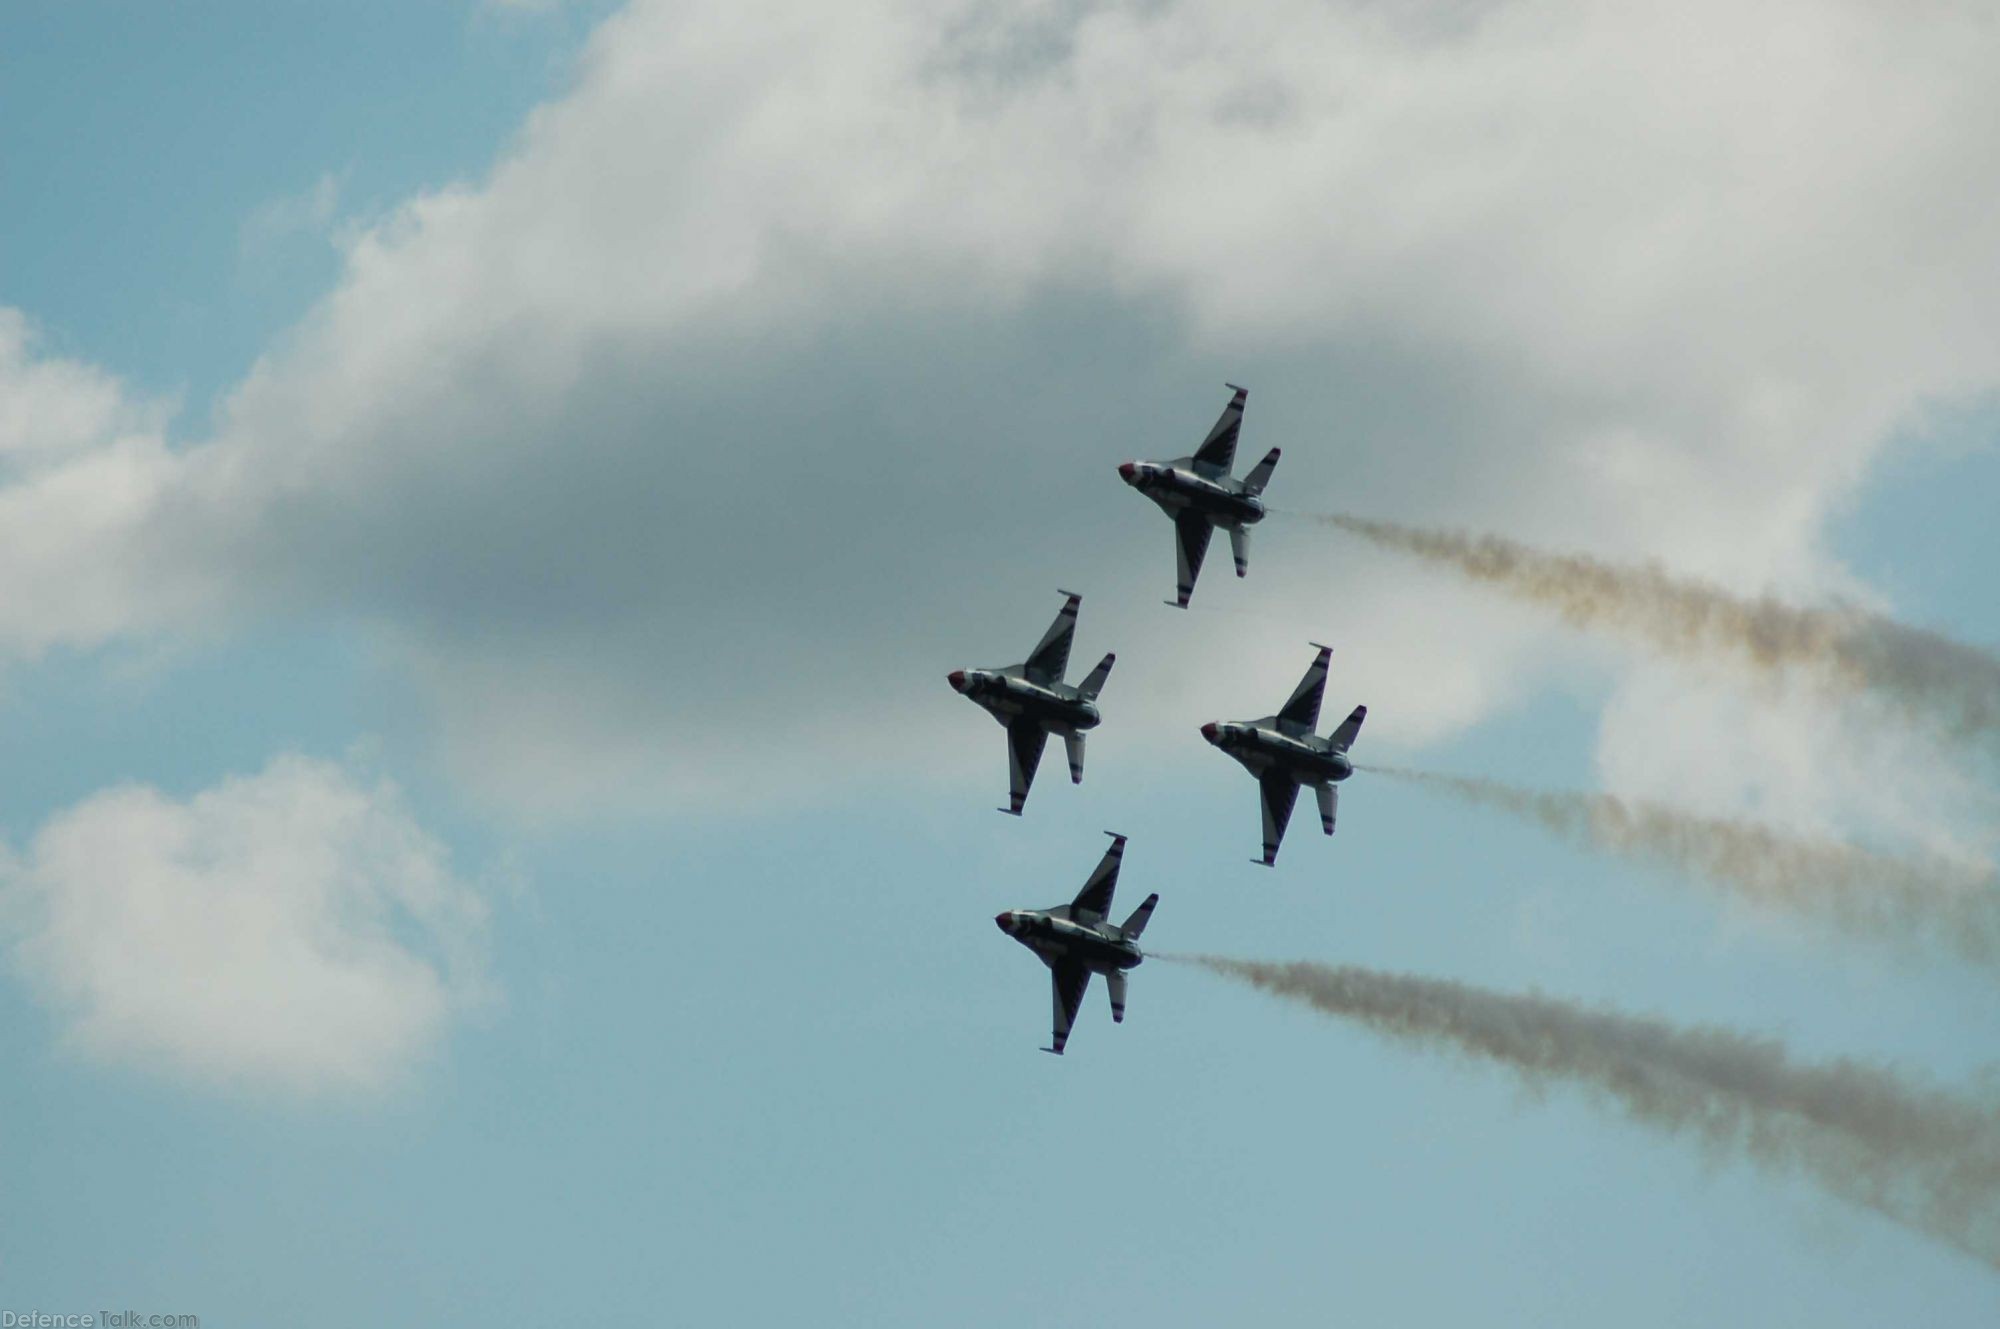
(1101, 947)
(1177, 489)
(1261, 748)
(1008, 697)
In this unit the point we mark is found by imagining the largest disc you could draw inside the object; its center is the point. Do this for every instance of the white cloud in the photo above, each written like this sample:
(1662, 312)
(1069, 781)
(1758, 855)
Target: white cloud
(83, 467)
(295, 929)
(781, 364)
(52, 408)
(1789, 754)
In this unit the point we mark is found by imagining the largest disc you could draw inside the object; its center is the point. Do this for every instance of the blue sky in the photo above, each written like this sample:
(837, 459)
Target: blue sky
(199, 124)
(617, 487)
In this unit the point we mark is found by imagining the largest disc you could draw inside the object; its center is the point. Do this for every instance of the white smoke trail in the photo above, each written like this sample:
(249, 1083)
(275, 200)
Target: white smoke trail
(1946, 682)
(1921, 1156)
(1906, 903)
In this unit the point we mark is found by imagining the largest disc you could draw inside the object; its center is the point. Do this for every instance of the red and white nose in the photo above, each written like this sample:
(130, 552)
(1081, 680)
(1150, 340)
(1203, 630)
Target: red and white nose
(1208, 731)
(957, 680)
(1005, 921)
(1126, 470)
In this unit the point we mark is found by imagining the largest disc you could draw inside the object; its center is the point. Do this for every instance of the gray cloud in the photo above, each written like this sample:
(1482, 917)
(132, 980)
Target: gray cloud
(781, 364)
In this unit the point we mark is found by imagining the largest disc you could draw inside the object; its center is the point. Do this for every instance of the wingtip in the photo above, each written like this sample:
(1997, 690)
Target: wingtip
(1012, 812)
(1119, 836)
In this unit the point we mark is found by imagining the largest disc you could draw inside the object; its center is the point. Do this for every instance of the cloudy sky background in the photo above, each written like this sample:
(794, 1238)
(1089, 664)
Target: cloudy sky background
(488, 496)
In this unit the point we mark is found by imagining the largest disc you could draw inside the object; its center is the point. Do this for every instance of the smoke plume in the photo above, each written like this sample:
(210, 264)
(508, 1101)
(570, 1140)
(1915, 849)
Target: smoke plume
(1948, 683)
(1906, 903)
(1921, 1156)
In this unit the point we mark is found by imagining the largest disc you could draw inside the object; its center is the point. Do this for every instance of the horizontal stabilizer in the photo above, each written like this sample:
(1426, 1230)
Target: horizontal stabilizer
(1329, 803)
(1114, 983)
(1074, 742)
(1343, 737)
(1239, 545)
(1093, 682)
(1260, 474)
(1136, 924)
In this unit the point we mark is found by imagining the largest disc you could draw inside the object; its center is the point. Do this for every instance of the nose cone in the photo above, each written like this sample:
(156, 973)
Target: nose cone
(1208, 731)
(1005, 922)
(957, 680)
(1126, 470)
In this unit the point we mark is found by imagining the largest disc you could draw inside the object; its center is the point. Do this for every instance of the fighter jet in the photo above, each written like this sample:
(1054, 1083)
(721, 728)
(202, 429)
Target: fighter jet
(1198, 494)
(1032, 700)
(1282, 753)
(1075, 941)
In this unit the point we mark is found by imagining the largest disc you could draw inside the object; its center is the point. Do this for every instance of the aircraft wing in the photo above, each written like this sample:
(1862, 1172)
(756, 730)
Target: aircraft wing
(1217, 452)
(1070, 980)
(1191, 535)
(1025, 741)
(1050, 658)
(1093, 902)
(1280, 793)
(1301, 712)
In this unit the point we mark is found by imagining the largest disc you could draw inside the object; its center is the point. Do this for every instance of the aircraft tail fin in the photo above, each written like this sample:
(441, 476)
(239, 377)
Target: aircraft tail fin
(1074, 742)
(1239, 545)
(1260, 475)
(1093, 682)
(1114, 985)
(1343, 737)
(1136, 924)
(1329, 803)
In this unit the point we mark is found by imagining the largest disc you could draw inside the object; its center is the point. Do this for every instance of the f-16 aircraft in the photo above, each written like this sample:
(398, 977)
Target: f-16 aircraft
(1198, 494)
(1282, 753)
(1075, 941)
(1032, 700)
